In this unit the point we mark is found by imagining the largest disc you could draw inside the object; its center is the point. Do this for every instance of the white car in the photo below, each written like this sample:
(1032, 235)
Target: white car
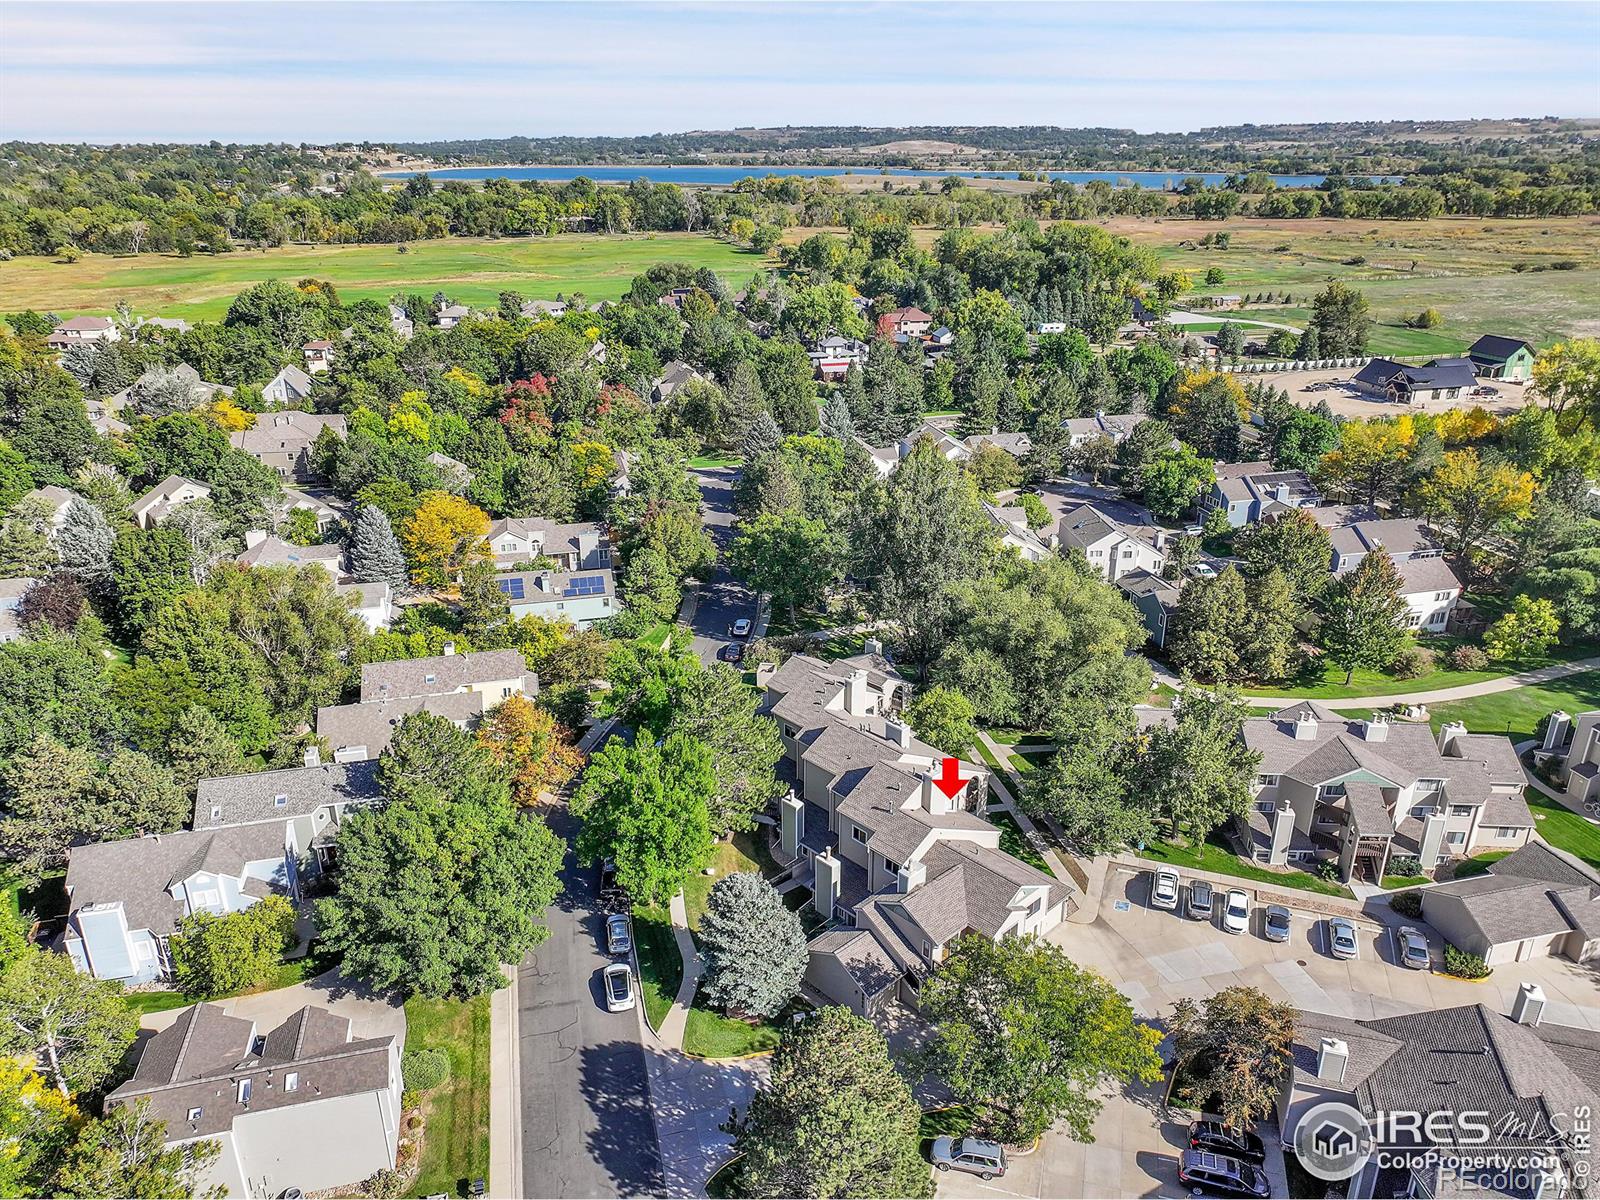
(740, 628)
(1236, 911)
(1165, 889)
(1342, 938)
(619, 988)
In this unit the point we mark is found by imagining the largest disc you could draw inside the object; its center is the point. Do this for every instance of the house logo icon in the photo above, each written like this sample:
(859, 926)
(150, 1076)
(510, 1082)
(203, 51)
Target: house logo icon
(1333, 1141)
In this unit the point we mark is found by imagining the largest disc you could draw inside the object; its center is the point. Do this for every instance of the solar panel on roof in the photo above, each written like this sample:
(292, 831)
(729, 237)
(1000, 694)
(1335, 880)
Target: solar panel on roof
(588, 585)
(512, 588)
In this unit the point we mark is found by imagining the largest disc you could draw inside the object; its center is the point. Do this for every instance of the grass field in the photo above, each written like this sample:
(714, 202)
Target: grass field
(1464, 267)
(1324, 681)
(1220, 860)
(1564, 829)
(455, 1146)
(471, 270)
(1517, 712)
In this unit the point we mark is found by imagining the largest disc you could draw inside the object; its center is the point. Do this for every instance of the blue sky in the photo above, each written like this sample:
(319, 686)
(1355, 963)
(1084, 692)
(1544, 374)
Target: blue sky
(333, 71)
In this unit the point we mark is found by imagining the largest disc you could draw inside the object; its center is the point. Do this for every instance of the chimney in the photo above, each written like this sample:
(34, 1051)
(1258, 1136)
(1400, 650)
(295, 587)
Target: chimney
(910, 877)
(449, 649)
(1375, 728)
(254, 538)
(1555, 731)
(350, 754)
(1332, 1059)
(1448, 733)
(872, 647)
(899, 733)
(855, 693)
(1305, 726)
(1282, 834)
(826, 874)
(312, 757)
(1528, 1007)
(791, 825)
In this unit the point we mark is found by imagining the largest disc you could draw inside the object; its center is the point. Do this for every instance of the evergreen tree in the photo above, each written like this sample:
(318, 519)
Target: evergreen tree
(1364, 616)
(754, 946)
(833, 1119)
(837, 422)
(200, 747)
(83, 543)
(375, 554)
(854, 391)
(761, 438)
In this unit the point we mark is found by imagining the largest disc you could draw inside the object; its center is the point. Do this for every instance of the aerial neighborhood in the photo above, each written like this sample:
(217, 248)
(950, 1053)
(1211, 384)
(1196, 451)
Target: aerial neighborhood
(1042, 662)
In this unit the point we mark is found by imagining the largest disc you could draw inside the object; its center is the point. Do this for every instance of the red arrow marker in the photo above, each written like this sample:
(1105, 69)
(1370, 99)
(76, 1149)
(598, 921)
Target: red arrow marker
(950, 782)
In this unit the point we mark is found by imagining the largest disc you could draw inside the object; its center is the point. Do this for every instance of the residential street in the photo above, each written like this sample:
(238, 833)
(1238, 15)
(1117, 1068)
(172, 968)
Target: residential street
(587, 1128)
(724, 600)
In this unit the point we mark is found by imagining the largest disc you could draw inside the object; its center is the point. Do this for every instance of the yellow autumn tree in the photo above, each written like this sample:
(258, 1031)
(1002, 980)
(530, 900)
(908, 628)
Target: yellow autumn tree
(593, 463)
(1370, 458)
(442, 537)
(1567, 376)
(411, 419)
(229, 416)
(36, 1125)
(1471, 500)
(1458, 426)
(1197, 383)
(527, 741)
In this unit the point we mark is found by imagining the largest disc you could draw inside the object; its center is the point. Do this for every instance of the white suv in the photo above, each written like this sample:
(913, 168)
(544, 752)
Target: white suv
(1164, 890)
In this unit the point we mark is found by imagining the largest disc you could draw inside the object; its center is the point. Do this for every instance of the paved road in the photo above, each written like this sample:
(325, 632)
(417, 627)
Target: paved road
(587, 1129)
(724, 600)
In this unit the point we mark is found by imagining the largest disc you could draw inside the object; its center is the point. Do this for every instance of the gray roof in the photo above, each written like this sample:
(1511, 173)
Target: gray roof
(1143, 583)
(439, 674)
(1258, 481)
(372, 725)
(284, 430)
(1441, 373)
(1531, 892)
(249, 798)
(862, 956)
(1426, 575)
(1015, 444)
(557, 587)
(137, 871)
(1494, 348)
(876, 799)
(273, 551)
(1084, 525)
(297, 380)
(198, 1061)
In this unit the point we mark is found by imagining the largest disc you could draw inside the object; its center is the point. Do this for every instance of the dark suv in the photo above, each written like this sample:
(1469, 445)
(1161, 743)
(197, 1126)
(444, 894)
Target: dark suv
(1232, 1143)
(1216, 1175)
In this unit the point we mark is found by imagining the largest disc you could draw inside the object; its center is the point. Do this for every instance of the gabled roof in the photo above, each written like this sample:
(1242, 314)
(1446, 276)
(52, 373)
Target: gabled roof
(1441, 373)
(439, 674)
(371, 725)
(1494, 348)
(273, 551)
(1085, 525)
(295, 378)
(1531, 892)
(245, 799)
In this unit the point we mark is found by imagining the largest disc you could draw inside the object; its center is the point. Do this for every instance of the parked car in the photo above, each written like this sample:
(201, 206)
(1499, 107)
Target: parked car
(1276, 926)
(618, 938)
(1217, 1138)
(1414, 952)
(1236, 912)
(1165, 888)
(740, 628)
(619, 987)
(1208, 1174)
(1200, 901)
(986, 1160)
(1342, 938)
(1202, 570)
(611, 892)
(732, 652)
(1485, 391)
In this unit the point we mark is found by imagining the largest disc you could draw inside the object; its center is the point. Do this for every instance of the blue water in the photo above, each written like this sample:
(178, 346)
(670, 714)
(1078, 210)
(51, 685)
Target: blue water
(722, 175)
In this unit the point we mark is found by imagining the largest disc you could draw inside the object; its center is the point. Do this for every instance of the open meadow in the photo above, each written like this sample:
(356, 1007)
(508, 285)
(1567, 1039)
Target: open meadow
(472, 270)
(1467, 268)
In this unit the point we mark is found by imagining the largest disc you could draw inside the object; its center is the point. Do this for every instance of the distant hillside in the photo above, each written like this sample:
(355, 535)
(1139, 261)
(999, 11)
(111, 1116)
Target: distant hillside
(1355, 146)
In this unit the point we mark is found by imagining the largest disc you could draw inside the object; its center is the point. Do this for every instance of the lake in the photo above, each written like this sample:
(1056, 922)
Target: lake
(723, 175)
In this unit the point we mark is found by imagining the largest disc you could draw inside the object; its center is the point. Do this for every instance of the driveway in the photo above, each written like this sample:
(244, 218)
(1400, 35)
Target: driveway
(1061, 494)
(724, 599)
(1154, 957)
(587, 1128)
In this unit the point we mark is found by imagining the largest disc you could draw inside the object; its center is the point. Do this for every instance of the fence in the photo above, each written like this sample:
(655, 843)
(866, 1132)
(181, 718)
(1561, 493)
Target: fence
(1318, 364)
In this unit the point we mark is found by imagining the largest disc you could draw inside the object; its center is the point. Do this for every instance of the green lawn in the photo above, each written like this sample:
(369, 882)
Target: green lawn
(1564, 829)
(657, 636)
(1517, 712)
(1012, 783)
(660, 964)
(714, 462)
(1014, 842)
(472, 271)
(746, 852)
(712, 1035)
(1324, 681)
(287, 974)
(1219, 859)
(1477, 864)
(455, 1148)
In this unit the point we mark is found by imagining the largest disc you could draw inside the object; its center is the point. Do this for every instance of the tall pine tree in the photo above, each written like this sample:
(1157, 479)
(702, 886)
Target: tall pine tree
(375, 554)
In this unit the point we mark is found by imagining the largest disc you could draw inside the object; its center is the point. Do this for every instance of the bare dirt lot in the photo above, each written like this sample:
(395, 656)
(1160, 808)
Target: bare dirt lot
(1308, 388)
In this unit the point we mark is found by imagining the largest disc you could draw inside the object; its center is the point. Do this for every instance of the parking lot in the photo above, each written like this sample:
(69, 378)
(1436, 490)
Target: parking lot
(1155, 956)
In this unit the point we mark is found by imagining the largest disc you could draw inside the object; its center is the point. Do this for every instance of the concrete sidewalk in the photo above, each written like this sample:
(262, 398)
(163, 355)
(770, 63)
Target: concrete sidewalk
(997, 787)
(677, 1018)
(505, 1091)
(1486, 687)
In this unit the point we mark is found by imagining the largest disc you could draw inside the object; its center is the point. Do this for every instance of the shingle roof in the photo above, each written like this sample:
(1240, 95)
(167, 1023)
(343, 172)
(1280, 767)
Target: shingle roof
(372, 724)
(273, 551)
(137, 871)
(862, 956)
(1531, 892)
(250, 798)
(1420, 575)
(1441, 373)
(1495, 348)
(439, 674)
(198, 1061)
(287, 429)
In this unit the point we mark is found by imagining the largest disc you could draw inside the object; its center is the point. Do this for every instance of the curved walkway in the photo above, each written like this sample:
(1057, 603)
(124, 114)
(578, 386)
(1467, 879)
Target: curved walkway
(1484, 687)
(677, 1018)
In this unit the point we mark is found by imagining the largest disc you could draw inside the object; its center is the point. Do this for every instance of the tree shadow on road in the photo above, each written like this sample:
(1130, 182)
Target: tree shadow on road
(614, 1083)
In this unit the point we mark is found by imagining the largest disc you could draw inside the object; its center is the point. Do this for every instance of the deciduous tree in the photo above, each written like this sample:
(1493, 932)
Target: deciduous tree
(1236, 1044)
(1197, 772)
(77, 1026)
(944, 718)
(443, 536)
(536, 753)
(1364, 616)
(223, 955)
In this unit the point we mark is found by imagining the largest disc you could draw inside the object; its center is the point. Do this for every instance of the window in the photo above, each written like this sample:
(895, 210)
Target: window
(279, 801)
(1301, 855)
(1461, 810)
(195, 1113)
(858, 835)
(258, 1044)
(505, 693)
(1441, 595)
(1421, 811)
(1266, 806)
(892, 867)
(1331, 791)
(1506, 831)
(204, 897)
(1456, 839)
(244, 1091)
(1267, 781)
(291, 1081)
(1413, 619)
(429, 678)
(143, 950)
(1427, 787)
